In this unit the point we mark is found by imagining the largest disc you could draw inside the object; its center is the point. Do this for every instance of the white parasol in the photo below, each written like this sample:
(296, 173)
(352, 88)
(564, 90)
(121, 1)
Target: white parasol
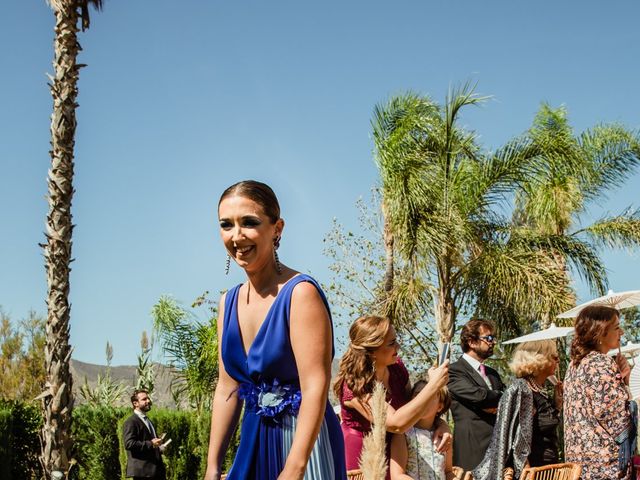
(634, 382)
(630, 347)
(548, 333)
(619, 300)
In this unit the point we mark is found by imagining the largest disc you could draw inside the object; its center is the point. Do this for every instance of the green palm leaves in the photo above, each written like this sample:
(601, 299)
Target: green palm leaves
(191, 347)
(491, 233)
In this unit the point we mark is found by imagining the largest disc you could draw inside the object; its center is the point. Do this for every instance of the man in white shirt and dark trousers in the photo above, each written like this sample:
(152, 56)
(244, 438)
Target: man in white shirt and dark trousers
(143, 446)
(475, 390)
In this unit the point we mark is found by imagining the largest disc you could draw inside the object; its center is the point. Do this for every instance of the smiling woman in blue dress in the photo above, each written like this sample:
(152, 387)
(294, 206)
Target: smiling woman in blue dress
(276, 347)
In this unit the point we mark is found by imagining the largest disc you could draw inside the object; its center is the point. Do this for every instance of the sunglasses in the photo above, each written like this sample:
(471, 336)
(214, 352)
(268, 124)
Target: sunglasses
(488, 338)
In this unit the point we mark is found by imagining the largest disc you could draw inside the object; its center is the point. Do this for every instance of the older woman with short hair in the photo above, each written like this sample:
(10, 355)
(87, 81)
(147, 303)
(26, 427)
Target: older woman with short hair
(533, 439)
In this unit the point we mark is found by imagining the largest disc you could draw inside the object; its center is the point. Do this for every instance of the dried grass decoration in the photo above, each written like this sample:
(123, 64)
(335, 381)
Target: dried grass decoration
(373, 458)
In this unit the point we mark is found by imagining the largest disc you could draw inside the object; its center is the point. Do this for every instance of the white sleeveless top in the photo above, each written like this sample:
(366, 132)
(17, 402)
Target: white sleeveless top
(423, 460)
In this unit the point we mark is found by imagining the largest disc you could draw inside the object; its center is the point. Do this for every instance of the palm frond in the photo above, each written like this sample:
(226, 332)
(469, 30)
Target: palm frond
(191, 347)
(614, 155)
(569, 250)
(520, 279)
(621, 231)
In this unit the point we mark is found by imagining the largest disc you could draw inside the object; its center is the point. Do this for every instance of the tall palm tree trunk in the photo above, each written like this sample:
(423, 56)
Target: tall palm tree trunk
(388, 251)
(445, 307)
(58, 398)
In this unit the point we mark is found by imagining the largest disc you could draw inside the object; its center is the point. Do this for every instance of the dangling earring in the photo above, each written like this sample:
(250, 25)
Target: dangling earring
(276, 244)
(228, 265)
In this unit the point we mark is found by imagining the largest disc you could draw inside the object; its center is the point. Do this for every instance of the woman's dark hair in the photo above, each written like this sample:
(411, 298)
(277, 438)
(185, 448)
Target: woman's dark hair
(590, 326)
(471, 330)
(259, 192)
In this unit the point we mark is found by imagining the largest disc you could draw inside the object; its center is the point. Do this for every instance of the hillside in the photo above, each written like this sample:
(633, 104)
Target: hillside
(125, 374)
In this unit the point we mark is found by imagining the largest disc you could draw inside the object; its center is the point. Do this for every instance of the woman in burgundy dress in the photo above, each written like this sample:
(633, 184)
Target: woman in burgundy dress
(372, 356)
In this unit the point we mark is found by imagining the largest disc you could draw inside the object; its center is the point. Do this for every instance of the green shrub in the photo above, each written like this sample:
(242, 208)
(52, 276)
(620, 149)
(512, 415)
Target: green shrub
(20, 425)
(6, 425)
(96, 445)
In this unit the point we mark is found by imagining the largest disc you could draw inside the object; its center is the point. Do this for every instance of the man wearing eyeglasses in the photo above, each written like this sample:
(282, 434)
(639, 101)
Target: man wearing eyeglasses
(475, 393)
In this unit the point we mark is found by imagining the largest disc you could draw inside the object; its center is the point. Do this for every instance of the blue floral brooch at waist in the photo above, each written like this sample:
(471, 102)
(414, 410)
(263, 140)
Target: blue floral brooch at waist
(271, 400)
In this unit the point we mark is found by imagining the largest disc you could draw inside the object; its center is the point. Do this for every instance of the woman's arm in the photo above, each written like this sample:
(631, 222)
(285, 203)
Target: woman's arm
(448, 464)
(398, 461)
(225, 411)
(311, 342)
(405, 417)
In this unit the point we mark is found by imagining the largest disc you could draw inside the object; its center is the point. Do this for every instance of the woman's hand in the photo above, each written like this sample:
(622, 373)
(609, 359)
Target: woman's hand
(288, 474)
(439, 375)
(558, 391)
(211, 475)
(624, 367)
(442, 438)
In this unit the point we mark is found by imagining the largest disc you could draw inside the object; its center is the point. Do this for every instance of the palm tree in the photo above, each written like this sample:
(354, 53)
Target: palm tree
(569, 175)
(58, 397)
(441, 200)
(192, 348)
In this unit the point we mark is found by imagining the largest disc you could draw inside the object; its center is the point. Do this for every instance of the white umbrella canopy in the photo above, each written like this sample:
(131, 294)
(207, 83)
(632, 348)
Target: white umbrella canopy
(548, 333)
(634, 382)
(630, 347)
(618, 300)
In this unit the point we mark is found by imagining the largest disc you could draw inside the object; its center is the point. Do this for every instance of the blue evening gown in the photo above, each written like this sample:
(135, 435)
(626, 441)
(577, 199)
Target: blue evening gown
(269, 386)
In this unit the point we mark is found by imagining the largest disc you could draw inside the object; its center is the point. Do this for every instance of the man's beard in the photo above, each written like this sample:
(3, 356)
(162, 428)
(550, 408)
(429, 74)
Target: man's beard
(484, 354)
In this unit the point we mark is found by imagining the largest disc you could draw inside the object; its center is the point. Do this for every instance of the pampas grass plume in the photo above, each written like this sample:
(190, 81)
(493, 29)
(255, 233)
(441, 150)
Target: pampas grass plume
(373, 458)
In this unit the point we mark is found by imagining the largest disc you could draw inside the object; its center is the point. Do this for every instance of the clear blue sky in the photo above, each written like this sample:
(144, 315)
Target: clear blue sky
(182, 98)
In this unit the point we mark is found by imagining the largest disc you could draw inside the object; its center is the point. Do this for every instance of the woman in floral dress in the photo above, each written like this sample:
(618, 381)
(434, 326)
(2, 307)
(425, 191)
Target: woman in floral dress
(598, 425)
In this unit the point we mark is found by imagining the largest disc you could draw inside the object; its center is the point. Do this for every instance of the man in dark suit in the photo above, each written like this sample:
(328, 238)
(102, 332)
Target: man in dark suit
(144, 455)
(475, 393)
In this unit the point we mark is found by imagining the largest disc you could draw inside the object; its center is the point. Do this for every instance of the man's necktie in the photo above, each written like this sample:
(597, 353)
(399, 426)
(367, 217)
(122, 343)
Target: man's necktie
(483, 373)
(149, 425)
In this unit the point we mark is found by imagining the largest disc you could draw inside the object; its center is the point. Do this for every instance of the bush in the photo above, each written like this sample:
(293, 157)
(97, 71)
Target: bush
(97, 442)
(98, 447)
(20, 425)
(6, 425)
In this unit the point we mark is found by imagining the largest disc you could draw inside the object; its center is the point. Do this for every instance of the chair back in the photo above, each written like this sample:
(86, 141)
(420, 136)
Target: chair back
(559, 471)
(355, 474)
(507, 474)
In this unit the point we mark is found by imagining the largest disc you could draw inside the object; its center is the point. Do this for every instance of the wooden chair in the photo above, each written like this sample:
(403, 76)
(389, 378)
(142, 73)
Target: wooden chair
(559, 471)
(355, 475)
(507, 474)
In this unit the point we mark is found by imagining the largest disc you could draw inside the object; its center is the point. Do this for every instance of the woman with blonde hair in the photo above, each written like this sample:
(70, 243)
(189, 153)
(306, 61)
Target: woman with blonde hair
(372, 356)
(533, 439)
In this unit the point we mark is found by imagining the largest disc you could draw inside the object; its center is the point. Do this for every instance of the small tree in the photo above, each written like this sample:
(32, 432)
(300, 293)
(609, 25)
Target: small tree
(145, 370)
(107, 392)
(22, 373)
(192, 349)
